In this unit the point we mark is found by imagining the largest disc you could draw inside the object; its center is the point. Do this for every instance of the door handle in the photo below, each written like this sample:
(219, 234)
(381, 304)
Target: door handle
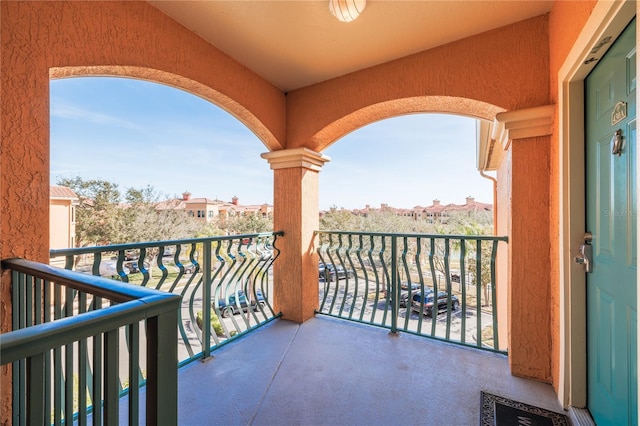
(616, 143)
(585, 253)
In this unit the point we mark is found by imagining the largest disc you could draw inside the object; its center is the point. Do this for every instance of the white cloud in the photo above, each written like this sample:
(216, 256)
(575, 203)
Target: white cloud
(81, 113)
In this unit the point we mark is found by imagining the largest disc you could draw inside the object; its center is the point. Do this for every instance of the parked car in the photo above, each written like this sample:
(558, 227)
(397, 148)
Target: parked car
(189, 268)
(234, 306)
(108, 268)
(406, 295)
(426, 303)
(405, 286)
(133, 266)
(169, 251)
(130, 255)
(328, 272)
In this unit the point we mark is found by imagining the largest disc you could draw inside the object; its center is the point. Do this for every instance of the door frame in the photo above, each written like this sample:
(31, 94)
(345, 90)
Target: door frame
(606, 22)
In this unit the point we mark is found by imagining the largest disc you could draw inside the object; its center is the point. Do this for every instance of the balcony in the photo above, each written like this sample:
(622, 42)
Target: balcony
(363, 359)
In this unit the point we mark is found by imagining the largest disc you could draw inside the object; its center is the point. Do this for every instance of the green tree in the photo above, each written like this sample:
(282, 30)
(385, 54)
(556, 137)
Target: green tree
(98, 219)
(473, 223)
(145, 222)
(102, 218)
(338, 220)
(248, 224)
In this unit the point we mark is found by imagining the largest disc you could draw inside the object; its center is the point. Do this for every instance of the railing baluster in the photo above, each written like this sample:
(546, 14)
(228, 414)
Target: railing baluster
(162, 369)
(409, 295)
(463, 291)
(374, 268)
(206, 301)
(58, 385)
(395, 288)
(134, 373)
(36, 390)
(111, 377)
(479, 291)
(163, 269)
(96, 396)
(68, 361)
(18, 301)
(434, 281)
(82, 371)
(447, 281)
(340, 264)
(407, 272)
(386, 283)
(494, 301)
(47, 296)
(365, 277)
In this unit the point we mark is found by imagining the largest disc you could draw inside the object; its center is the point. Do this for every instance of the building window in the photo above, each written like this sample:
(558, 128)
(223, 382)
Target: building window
(201, 213)
(210, 213)
(190, 212)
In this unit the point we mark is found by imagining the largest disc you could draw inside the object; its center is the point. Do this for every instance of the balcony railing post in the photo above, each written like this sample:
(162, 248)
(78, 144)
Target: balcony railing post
(479, 291)
(494, 301)
(395, 288)
(206, 299)
(162, 368)
(36, 390)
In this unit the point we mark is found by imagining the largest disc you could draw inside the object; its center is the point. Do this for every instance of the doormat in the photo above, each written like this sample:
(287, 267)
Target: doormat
(498, 411)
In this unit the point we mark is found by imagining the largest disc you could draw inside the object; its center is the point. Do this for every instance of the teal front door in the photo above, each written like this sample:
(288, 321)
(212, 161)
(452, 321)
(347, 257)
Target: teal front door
(611, 218)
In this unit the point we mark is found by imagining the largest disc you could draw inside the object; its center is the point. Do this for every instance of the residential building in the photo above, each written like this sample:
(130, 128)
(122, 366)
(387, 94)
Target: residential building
(556, 122)
(62, 217)
(208, 210)
(436, 213)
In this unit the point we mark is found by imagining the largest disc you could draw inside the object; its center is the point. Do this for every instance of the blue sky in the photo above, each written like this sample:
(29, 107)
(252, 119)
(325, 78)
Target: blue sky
(137, 133)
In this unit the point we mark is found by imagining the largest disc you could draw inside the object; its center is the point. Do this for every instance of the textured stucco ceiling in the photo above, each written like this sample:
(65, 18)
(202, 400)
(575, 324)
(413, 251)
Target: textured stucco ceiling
(294, 44)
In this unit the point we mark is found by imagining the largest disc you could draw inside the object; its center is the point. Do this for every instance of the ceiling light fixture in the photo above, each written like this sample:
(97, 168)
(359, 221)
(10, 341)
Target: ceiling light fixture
(346, 10)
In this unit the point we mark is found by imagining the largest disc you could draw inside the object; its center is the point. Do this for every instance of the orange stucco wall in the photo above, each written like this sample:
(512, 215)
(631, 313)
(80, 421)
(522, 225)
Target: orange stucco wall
(477, 76)
(566, 20)
(529, 321)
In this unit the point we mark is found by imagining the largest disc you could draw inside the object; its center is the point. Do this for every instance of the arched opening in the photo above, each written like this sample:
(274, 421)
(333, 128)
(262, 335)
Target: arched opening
(402, 188)
(161, 144)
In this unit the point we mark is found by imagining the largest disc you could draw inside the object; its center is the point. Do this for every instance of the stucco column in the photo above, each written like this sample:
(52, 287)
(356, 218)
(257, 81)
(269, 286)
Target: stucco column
(523, 189)
(295, 211)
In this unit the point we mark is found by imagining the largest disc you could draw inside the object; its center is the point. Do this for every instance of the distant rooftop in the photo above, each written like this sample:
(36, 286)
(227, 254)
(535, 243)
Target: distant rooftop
(62, 192)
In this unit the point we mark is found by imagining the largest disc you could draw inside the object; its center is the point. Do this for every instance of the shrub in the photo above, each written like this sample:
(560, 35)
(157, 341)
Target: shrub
(215, 323)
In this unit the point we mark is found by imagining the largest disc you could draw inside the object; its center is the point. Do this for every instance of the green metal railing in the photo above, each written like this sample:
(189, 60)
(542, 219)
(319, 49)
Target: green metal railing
(66, 348)
(225, 282)
(390, 280)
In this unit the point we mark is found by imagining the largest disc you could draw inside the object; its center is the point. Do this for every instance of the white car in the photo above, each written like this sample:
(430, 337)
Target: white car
(108, 269)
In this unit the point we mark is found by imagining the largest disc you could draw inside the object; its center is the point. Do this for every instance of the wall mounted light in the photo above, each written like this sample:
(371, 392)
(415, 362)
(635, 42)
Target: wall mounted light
(346, 10)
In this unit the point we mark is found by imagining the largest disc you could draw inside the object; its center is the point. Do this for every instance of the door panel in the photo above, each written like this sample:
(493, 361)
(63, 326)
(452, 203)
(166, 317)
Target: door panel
(632, 319)
(611, 216)
(604, 200)
(632, 216)
(605, 345)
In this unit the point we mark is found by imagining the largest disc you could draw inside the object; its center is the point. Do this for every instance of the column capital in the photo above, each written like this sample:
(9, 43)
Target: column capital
(524, 123)
(295, 158)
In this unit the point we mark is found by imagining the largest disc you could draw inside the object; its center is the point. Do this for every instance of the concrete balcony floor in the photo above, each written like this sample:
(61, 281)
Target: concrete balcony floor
(332, 372)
